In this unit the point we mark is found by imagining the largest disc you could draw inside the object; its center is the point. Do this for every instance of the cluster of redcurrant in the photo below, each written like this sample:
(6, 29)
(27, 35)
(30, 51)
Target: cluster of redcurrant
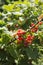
(36, 27)
(20, 33)
(28, 40)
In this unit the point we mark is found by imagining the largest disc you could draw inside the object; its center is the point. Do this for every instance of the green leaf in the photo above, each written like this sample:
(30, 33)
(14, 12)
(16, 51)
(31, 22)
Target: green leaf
(5, 58)
(2, 23)
(6, 38)
(36, 1)
(11, 49)
(32, 53)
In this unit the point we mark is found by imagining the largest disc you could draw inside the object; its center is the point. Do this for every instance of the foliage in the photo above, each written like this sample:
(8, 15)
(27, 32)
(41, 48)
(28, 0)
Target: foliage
(21, 32)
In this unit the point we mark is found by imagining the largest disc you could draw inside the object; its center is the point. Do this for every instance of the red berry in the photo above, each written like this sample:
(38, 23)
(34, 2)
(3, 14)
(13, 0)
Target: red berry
(32, 37)
(32, 24)
(19, 40)
(25, 43)
(40, 23)
(33, 30)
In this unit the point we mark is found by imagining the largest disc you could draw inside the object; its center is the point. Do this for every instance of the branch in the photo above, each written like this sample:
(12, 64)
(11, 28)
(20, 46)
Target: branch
(26, 31)
(11, 41)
